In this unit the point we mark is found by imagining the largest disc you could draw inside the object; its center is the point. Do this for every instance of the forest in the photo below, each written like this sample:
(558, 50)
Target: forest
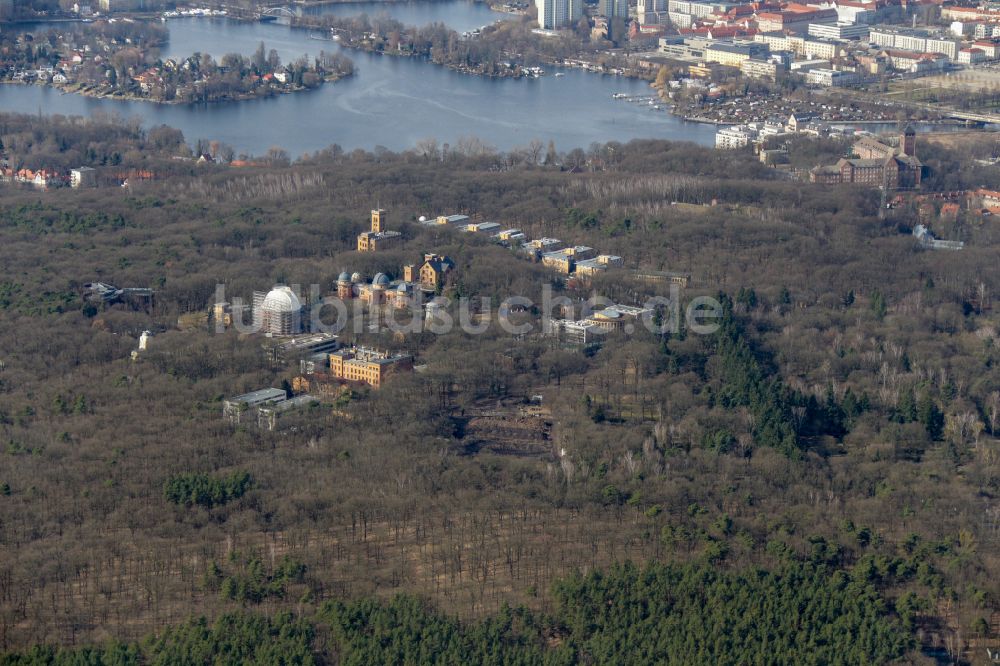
(690, 614)
(815, 482)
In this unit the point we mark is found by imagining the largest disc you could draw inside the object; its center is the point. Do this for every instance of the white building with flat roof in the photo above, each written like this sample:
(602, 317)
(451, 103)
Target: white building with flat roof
(735, 137)
(839, 30)
(830, 78)
(554, 14)
(83, 177)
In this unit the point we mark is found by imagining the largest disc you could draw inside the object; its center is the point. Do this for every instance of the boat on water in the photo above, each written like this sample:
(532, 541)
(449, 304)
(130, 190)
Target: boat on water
(619, 96)
(558, 74)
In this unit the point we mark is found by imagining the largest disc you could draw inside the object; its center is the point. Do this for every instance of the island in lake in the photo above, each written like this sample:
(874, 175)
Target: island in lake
(121, 59)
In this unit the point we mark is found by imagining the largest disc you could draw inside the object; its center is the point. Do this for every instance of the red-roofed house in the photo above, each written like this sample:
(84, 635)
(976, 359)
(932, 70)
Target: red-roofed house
(970, 56)
(794, 18)
(989, 47)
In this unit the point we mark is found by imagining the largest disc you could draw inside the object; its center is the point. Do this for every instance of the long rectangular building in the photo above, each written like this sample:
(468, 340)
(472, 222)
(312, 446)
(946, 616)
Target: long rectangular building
(839, 30)
(360, 364)
(918, 41)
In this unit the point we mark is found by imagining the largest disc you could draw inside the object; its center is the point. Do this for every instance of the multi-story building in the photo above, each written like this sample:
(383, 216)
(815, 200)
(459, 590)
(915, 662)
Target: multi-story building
(615, 318)
(679, 48)
(821, 48)
(483, 228)
(651, 6)
(839, 30)
(269, 414)
(705, 70)
(917, 63)
(572, 332)
(372, 241)
(943, 44)
(679, 20)
(539, 246)
(851, 11)
(989, 47)
(879, 164)
(732, 54)
(564, 260)
(553, 14)
(738, 136)
(971, 56)
(756, 68)
(775, 41)
(794, 18)
(239, 408)
(706, 8)
(805, 47)
(508, 237)
(918, 41)
(613, 8)
(378, 238)
(986, 31)
(301, 347)
(360, 364)
(873, 173)
(431, 273)
(450, 220)
(910, 41)
(83, 177)
(831, 78)
(981, 13)
(263, 407)
(598, 264)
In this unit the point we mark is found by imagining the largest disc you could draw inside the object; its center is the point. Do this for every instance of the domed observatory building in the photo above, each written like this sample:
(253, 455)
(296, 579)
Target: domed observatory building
(279, 312)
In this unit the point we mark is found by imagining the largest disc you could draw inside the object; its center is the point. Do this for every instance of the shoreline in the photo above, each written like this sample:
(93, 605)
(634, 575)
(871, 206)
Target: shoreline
(326, 3)
(69, 89)
(344, 44)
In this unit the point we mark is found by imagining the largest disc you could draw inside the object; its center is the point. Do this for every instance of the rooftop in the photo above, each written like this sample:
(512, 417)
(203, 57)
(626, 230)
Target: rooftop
(260, 395)
(741, 49)
(293, 403)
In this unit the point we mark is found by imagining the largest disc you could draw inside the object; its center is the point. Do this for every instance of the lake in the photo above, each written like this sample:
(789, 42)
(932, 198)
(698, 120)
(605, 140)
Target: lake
(391, 102)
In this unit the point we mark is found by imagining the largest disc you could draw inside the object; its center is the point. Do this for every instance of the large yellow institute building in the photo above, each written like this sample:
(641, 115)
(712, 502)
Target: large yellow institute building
(360, 364)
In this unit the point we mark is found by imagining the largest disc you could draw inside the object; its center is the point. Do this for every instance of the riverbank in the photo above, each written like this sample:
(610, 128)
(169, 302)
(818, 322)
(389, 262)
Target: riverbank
(367, 41)
(306, 4)
(465, 54)
(92, 92)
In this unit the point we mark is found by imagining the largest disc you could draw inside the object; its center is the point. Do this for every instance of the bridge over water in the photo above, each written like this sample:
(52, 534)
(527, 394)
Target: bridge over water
(282, 15)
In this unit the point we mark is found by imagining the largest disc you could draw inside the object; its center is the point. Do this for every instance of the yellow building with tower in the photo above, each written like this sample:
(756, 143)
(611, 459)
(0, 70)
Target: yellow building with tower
(378, 238)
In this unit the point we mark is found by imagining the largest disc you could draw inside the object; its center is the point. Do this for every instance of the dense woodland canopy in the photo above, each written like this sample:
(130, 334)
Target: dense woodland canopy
(816, 482)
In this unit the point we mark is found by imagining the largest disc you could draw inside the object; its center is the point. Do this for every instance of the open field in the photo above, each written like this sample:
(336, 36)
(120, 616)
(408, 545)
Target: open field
(969, 89)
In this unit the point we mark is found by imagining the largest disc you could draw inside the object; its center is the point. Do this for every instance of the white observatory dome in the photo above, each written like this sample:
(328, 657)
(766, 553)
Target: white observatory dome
(281, 299)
